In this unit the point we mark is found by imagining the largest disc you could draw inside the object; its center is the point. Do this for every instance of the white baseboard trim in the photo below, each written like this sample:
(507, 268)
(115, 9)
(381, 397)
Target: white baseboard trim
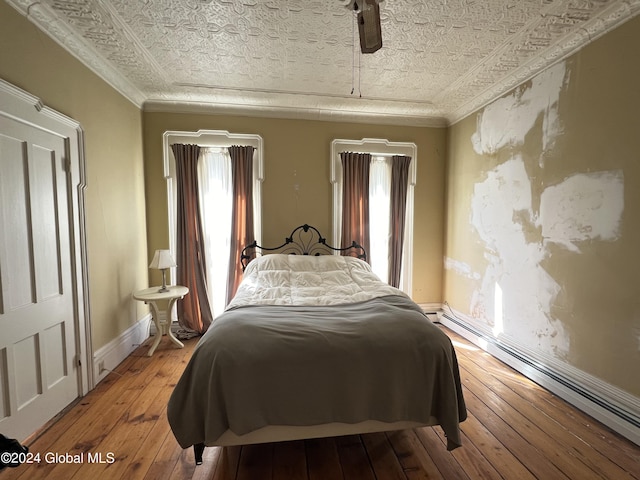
(108, 357)
(613, 407)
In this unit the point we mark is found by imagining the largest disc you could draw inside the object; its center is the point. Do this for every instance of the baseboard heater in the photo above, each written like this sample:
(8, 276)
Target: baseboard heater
(616, 417)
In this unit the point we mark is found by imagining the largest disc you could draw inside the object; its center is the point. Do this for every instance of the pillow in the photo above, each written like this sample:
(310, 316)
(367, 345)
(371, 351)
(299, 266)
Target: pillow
(305, 263)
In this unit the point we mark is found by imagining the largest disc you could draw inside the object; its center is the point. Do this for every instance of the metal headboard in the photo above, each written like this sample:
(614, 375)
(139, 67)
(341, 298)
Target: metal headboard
(304, 240)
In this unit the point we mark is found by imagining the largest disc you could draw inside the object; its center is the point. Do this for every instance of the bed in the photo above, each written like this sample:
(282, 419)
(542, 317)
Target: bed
(313, 346)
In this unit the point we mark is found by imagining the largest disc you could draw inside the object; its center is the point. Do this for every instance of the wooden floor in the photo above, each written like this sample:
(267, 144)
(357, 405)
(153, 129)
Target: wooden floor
(515, 430)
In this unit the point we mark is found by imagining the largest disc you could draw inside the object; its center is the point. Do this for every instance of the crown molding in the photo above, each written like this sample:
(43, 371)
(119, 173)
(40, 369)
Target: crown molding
(300, 112)
(611, 18)
(43, 17)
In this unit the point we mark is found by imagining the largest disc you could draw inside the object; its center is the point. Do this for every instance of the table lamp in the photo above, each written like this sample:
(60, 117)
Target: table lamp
(161, 261)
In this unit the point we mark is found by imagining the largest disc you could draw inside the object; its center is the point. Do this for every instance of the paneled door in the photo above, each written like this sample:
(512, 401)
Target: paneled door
(39, 373)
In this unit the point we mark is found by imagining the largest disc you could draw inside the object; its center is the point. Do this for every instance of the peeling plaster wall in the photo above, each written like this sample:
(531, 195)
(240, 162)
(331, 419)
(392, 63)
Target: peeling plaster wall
(543, 213)
(507, 121)
(514, 283)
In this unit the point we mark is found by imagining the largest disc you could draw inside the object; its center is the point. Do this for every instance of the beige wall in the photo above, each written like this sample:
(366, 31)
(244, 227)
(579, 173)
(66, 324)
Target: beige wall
(297, 151)
(543, 207)
(115, 220)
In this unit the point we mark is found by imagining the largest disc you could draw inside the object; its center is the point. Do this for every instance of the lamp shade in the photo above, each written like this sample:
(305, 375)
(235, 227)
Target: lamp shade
(162, 259)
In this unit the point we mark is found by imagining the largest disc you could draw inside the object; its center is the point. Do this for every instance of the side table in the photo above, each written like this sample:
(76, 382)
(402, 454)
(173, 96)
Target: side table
(163, 325)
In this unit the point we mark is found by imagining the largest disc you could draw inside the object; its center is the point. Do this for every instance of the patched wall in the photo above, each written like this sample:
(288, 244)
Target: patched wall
(543, 214)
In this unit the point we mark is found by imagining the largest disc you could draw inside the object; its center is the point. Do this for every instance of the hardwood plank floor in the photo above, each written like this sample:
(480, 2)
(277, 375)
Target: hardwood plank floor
(515, 430)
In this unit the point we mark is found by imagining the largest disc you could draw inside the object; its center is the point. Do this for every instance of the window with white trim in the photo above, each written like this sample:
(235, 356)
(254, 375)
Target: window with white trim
(382, 152)
(215, 183)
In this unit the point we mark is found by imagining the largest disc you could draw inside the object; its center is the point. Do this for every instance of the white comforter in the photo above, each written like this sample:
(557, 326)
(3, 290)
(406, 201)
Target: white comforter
(309, 280)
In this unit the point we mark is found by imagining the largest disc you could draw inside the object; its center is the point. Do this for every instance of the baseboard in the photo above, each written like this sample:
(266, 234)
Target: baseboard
(613, 407)
(108, 357)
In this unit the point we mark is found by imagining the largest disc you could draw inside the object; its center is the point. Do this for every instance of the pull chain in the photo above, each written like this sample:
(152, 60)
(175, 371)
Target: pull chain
(353, 53)
(356, 55)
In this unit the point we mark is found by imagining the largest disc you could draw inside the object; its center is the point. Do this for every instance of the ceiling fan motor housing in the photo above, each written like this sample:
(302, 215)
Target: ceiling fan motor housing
(369, 26)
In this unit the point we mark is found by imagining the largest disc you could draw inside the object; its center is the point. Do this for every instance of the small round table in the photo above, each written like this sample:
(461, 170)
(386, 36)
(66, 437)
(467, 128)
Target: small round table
(163, 325)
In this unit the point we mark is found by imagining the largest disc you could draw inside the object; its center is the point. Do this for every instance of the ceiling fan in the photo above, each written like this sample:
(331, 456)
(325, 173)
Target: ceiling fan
(368, 13)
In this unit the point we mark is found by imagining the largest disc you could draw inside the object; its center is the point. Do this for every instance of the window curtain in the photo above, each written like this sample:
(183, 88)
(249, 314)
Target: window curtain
(194, 311)
(242, 217)
(355, 199)
(216, 197)
(398, 209)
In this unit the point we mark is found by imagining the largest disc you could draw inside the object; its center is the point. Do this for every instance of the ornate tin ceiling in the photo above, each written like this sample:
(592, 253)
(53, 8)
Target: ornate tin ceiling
(440, 61)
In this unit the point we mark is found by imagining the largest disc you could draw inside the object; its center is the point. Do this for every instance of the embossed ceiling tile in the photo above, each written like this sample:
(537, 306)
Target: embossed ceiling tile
(444, 57)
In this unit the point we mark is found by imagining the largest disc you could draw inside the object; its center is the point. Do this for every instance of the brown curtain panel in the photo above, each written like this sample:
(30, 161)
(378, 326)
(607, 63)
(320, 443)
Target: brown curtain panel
(399, 185)
(194, 311)
(242, 218)
(355, 199)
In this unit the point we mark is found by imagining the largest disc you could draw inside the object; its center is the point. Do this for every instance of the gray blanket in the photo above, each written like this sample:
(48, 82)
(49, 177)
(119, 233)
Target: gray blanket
(380, 359)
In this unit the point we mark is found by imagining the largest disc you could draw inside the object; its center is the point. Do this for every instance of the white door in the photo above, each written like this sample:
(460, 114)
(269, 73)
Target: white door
(38, 352)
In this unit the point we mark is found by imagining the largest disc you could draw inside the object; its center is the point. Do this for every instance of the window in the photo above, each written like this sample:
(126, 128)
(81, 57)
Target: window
(214, 170)
(216, 203)
(382, 152)
(379, 201)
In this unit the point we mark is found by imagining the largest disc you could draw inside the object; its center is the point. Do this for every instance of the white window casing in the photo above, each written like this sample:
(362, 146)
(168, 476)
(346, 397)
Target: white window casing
(210, 139)
(377, 147)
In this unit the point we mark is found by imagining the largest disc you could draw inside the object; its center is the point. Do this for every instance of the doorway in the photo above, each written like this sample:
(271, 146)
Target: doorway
(44, 346)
